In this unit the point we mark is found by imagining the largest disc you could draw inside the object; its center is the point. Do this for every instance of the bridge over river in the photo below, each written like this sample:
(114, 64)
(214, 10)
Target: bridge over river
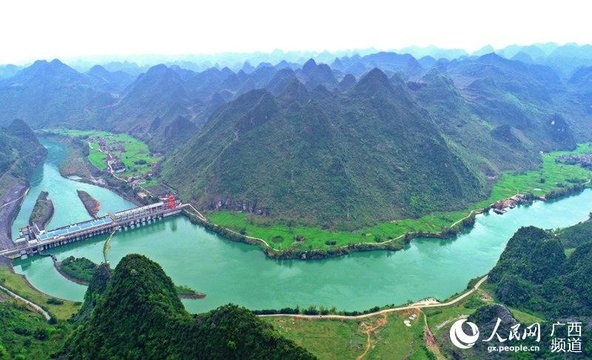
(33, 240)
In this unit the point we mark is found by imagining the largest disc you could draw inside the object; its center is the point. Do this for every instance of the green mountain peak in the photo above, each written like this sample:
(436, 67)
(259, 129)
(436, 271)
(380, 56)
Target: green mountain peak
(140, 316)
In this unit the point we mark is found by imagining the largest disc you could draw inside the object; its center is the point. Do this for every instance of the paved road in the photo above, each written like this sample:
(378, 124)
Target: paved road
(386, 311)
(31, 304)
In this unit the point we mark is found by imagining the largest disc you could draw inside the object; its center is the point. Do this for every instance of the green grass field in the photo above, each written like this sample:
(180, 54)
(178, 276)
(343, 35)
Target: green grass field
(97, 159)
(552, 176)
(544, 180)
(17, 284)
(349, 339)
(134, 153)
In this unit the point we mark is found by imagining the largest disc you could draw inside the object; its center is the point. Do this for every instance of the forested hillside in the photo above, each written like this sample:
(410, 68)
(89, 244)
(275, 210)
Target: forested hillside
(365, 155)
(20, 150)
(136, 314)
(534, 272)
(541, 278)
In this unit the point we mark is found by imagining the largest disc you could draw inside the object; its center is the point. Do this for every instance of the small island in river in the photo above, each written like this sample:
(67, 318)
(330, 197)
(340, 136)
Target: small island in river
(91, 204)
(42, 211)
(81, 271)
(185, 292)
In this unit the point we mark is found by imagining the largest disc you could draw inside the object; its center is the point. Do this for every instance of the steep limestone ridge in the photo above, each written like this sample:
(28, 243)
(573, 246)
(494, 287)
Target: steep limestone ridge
(337, 159)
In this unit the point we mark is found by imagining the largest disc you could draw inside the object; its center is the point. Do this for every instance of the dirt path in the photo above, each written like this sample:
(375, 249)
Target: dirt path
(31, 304)
(196, 212)
(430, 340)
(420, 305)
(466, 217)
(10, 202)
(369, 330)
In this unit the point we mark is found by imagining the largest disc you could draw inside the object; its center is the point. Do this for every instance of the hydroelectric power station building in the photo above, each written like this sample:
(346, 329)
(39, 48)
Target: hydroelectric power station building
(32, 240)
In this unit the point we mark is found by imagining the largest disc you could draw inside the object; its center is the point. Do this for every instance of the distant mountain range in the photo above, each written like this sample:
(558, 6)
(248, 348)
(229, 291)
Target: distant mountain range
(540, 53)
(354, 140)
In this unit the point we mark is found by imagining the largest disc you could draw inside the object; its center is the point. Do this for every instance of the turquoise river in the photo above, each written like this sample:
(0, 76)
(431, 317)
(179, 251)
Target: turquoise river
(237, 273)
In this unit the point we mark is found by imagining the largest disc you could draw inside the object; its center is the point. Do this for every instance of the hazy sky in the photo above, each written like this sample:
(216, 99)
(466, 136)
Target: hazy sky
(47, 29)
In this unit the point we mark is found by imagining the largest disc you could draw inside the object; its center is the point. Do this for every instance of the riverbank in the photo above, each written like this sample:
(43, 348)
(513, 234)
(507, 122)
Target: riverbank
(75, 163)
(414, 331)
(273, 253)
(393, 244)
(422, 304)
(555, 180)
(78, 270)
(13, 194)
